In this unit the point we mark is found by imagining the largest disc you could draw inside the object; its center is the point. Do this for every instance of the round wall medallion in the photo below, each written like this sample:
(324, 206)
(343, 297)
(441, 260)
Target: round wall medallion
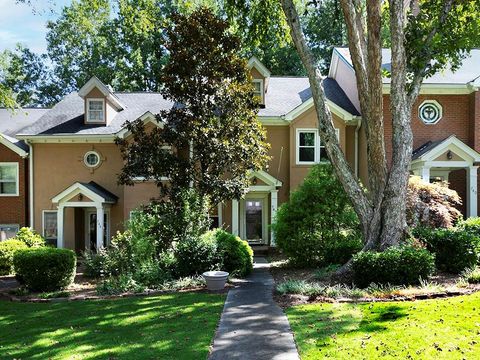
(430, 112)
(91, 159)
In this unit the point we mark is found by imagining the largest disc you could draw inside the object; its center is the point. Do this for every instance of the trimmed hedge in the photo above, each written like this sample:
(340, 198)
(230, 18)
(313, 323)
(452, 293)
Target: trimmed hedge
(7, 250)
(236, 254)
(455, 249)
(403, 265)
(197, 255)
(45, 269)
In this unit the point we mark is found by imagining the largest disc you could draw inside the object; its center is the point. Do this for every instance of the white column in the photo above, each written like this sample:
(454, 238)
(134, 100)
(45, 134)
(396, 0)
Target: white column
(273, 213)
(100, 227)
(425, 174)
(220, 215)
(235, 217)
(472, 191)
(60, 212)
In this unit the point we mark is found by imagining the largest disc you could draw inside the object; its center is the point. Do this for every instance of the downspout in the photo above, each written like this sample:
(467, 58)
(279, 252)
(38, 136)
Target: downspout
(30, 182)
(357, 145)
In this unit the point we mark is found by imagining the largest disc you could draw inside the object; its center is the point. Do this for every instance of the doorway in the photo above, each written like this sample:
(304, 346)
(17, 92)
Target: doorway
(91, 230)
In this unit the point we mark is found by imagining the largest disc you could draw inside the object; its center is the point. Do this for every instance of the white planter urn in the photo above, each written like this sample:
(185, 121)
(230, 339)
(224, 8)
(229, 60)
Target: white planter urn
(215, 279)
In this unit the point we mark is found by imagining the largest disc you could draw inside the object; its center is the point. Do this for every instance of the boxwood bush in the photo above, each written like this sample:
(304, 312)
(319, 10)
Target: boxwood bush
(30, 237)
(45, 269)
(196, 255)
(235, 254)
(7, 250)
(403, 265)
(455, 249)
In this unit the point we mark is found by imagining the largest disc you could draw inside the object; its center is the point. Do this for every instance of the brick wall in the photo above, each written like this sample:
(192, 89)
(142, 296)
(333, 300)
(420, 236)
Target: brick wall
(14, 209)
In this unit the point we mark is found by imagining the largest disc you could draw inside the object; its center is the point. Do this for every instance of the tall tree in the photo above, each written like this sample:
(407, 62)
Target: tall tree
(212, 129)
(438, 34)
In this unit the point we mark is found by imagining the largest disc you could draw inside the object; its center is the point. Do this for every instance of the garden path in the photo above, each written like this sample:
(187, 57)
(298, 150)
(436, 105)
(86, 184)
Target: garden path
(253, 326)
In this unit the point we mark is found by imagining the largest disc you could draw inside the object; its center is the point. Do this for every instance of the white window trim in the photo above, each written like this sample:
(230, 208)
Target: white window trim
(94, 153)
(434, 103)
(317, 145)
(88, 111)
(262, 91)
(17, 188)
(43, 223)
(10, 225)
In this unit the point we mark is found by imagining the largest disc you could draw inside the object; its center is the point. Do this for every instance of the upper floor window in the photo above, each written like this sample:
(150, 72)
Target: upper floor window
(430, 112)
(96, 110)
(258, 89)
(8, 179)
(310, 149)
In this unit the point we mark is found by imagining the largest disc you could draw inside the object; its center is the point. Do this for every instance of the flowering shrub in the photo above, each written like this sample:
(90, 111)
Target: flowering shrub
(432, 204)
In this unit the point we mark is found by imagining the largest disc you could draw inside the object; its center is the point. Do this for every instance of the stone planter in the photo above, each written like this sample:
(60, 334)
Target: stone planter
(215, 279)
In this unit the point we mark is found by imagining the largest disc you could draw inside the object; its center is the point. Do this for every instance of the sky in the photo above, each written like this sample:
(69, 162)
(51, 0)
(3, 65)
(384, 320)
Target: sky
(26, 24)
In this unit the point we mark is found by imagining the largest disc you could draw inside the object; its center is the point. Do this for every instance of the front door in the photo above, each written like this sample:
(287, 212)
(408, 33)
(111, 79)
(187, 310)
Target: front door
(91, 240)
(254, 220)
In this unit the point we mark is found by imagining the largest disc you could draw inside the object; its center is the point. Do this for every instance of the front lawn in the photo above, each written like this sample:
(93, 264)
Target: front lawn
(430, 329)
(171, 326)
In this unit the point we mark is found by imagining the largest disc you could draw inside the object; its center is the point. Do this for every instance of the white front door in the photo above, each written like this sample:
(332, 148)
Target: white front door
(91, 229)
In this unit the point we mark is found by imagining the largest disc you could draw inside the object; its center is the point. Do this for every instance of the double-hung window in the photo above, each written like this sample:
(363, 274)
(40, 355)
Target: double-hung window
(310, 149)
(50, 227)
(8, 231)
(95, 110)
(8, 179)
(258, 89)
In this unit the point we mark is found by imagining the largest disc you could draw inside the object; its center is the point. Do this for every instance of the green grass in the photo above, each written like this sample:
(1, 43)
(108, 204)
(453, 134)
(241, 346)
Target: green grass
(430, 329)
(171, 326)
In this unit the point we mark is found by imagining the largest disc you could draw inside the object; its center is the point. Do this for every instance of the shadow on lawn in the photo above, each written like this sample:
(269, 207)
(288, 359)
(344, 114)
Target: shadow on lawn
(171, 326)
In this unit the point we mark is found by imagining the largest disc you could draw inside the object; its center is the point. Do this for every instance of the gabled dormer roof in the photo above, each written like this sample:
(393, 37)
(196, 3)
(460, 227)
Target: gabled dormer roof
(95, 82)
(257, 64)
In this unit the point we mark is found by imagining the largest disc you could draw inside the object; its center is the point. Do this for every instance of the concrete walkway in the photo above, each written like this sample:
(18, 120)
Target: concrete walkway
(253, 326)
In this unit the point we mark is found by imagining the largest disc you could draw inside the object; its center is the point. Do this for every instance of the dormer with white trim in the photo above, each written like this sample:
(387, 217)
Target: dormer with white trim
(101, 104)
(261, 76)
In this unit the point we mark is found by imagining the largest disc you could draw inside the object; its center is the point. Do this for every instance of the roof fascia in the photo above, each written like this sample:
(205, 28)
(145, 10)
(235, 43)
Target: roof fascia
(147, 117)
(439, 89)
(334, 108)
(257, 64)
(72, 190)
(444, 146)
(95, 82)
(266, 178)
(273, 121)
(19, 151)
(68, 138)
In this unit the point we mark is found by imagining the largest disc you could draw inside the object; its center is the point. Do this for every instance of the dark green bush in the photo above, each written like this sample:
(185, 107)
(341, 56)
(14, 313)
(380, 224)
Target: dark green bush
(236, 255)
(342, 250)
(396, 266)
(197, 255)
(454, 249)
(45, 268)
(317, 217)
(7, 250)
(30, 237)
(151, 275)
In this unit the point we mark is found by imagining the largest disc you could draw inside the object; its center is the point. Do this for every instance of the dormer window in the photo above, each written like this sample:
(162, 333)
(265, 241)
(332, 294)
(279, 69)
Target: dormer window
(258, 90)
(95, 110)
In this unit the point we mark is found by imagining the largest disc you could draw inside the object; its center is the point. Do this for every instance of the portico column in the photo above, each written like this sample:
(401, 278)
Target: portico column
(235, 217)
(60, 212)
(425, 174)
(273, 213)
(100, 227)
(472, 191)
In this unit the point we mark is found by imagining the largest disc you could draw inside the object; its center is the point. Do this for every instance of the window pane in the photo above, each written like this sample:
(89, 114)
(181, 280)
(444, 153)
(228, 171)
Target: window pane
(8, 172)
(96, 105)
(257, 86)
(323, 154)
(307, 154)
(307, 139)
(95, 110)
(8, 231)
(8, 188)
(50, 225)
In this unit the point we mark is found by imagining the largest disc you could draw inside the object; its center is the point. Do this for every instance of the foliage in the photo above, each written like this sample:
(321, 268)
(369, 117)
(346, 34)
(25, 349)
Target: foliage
(196, 255)
(45, 268)
(454, 249)
(326, 271)
(151, 274)
(432, 204)
(236, 254)
(472, 276)
(30, 237)
(216, 121)
(115, 285)
(125, 328)
(7, 250)
(54, 294)
(302, 287)
(317, 219)
(470, 225)
(397, 266)
(433, 329)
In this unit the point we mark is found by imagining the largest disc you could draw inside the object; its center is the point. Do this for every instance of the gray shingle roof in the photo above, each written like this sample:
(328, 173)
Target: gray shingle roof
(468, 71)
(423, 149)
(67, 117)
(101, 191)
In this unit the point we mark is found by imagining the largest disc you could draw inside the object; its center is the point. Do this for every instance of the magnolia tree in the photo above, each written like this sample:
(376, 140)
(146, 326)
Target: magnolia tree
(425, 37)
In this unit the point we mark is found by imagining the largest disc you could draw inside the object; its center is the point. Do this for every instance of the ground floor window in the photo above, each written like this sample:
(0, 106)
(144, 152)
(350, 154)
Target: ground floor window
(49, 228)
(8, 179)
(8, 231)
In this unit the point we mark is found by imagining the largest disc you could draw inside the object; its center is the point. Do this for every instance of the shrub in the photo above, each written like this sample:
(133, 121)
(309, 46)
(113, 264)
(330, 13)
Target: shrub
(317, 217)
(432, 204)
(471, 225)
(151, 275)
(30, 237)
(7, 250)
(396, 266)
(115, 285)
(197, 255)
(236, 255)
(342, 250)
(45, 269)
(454, 249)
(472, 276)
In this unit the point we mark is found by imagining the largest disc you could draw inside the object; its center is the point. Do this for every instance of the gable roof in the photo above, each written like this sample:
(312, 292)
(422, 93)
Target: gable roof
(468, 72)
(95, 82)
(257, 64)
(432, 149)
(91, 189)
